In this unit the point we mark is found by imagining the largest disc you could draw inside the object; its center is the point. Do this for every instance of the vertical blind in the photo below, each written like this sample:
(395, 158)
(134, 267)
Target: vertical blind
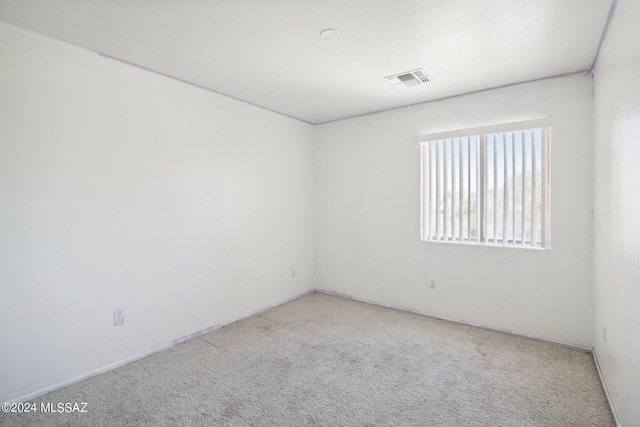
(488, 187)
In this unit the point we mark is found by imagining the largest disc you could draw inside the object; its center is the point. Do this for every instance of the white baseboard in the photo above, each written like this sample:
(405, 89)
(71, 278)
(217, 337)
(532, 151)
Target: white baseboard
(107, 368)
(41, 392)
(604, 388)
(581, 348)
(246, 316)
(577, 347)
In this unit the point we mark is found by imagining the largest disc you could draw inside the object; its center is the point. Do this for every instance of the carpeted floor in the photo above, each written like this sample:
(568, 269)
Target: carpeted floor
(323, 360)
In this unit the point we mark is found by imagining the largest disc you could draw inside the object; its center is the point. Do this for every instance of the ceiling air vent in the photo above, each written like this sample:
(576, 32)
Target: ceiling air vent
(407, 79)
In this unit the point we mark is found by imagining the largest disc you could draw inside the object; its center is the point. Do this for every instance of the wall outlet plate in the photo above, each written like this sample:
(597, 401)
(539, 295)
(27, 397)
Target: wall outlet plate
(431, 283)
(118, 316)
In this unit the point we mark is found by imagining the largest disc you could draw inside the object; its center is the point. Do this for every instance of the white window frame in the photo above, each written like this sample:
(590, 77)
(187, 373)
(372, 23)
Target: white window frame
(473, 156)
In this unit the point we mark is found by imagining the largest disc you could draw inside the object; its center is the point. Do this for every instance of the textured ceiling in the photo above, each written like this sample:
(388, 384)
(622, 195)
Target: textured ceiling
(269, 52)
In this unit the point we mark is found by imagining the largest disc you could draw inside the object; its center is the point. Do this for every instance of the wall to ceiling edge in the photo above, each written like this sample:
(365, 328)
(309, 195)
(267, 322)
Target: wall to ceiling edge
(123, 188)
(617, 212)
(368, 207)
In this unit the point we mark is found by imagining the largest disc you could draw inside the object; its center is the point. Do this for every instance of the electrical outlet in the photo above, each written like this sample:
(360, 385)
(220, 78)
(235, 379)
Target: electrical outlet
(604, 333)
(293, 271)
(431, 283)
(118, 316)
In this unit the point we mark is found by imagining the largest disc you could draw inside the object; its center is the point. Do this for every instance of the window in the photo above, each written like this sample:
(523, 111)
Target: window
(487, 185)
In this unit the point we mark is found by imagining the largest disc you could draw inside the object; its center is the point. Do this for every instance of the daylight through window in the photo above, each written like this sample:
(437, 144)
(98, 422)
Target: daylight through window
(487, 185)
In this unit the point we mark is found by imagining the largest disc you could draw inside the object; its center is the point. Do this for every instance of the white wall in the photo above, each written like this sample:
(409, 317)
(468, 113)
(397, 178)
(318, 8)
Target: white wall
(617, 211)
(367, 219)
(123, 188)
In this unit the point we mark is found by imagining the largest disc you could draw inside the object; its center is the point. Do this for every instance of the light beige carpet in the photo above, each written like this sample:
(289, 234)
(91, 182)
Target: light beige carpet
(323, 360)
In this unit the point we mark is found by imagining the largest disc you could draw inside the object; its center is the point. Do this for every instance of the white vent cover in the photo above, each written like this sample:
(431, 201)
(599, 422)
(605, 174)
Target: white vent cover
(407, 79)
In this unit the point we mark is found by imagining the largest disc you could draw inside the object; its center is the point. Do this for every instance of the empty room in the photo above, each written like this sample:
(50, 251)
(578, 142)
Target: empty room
(355, 212)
